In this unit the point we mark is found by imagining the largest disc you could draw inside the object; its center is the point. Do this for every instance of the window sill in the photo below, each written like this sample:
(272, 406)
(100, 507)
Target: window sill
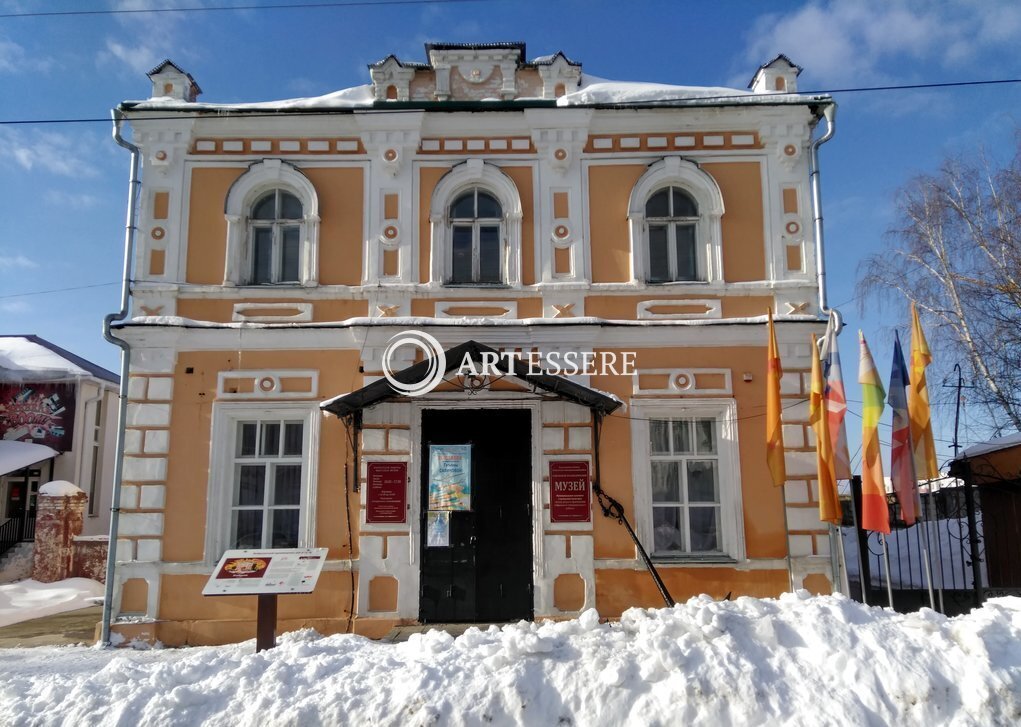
(661, 283)
(487, 286)
(682, 560)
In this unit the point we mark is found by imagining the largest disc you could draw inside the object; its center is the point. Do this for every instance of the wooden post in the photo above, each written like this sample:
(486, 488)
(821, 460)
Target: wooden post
(266, 624)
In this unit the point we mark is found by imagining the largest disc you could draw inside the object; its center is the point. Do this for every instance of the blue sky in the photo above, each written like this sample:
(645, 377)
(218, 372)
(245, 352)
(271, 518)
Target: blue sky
(81, 66)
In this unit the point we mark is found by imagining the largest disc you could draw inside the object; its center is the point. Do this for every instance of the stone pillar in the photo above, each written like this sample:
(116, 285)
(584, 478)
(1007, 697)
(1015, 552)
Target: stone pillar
(59, 518)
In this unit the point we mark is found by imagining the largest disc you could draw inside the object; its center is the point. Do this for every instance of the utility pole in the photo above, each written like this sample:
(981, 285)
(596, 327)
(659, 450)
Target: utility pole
(957, 410)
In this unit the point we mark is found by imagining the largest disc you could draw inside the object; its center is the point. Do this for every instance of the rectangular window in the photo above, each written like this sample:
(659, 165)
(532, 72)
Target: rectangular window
(684, 463)
(268, 472)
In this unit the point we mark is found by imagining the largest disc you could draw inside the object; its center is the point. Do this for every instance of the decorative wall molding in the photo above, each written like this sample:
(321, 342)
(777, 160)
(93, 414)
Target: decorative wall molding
(272, 312)
(261, 147)
(679, 310)
(681, 382)
(268, 384)
(686, 141)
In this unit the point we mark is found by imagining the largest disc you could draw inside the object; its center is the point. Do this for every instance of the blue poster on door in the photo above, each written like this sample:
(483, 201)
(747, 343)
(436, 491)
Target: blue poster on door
(450, 473)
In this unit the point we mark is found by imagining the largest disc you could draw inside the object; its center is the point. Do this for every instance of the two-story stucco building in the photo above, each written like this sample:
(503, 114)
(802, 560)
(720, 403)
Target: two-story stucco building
(498, 204)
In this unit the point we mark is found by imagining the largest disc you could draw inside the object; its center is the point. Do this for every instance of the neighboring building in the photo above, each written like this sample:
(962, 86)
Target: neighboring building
(493, 203)
(68, 407)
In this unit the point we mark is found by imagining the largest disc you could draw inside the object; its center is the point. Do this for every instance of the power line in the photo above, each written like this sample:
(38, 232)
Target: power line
(218, 8)
(227, 113)
(59, 290)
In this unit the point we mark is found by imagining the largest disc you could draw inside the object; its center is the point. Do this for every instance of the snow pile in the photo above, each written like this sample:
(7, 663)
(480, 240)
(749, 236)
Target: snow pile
(799, 660)
(596, 90)
(60, 488)
(30, 599)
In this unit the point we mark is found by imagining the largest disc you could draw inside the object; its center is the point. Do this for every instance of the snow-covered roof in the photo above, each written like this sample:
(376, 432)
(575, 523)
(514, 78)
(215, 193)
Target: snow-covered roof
(993, 445)
(31, 358)
(592, 91)
(18, 455)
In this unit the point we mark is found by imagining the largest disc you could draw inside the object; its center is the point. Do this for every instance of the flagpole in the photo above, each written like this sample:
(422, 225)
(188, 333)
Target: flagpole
(787, 534)
(926, 562)
(861, 566)
(939, 554)
(886, 563)
(845, 583)
(928, 549)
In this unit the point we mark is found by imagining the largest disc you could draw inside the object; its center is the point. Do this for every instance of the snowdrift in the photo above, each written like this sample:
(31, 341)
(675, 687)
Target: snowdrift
(796, 660)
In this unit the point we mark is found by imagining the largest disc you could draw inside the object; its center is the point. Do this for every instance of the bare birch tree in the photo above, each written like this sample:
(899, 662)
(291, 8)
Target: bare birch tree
(956, 253)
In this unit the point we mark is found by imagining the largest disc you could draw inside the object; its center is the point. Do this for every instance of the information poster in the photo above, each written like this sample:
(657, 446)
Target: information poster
(257, 572)
(386, 492)
(450, 468)
(39, 413)
(437, 529)
(570, 493)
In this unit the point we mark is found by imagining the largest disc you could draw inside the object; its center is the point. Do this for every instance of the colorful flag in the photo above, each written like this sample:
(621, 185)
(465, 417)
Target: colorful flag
(829, 500)
(902, 458)
(874, 514)
(774, 423)
(918, 403)
(836, 402)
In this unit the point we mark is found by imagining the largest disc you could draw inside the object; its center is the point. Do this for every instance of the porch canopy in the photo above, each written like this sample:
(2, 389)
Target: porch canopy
(381, 390)
(18, 455)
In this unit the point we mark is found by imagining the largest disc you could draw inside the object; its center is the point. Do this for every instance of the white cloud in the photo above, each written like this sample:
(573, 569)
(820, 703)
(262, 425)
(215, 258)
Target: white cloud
(14, 306)
(48, 151)
(74, 200)
(161, 34)
(860, 41)
(16, 262)
(15, 59)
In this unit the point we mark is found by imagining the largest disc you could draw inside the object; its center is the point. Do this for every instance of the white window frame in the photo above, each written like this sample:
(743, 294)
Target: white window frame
(489, 178)
(249, 188)
(724, 411)
(678, 172)
(226, 417)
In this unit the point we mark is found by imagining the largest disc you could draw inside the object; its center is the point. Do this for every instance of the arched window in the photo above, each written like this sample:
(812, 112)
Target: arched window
(475, 223)
(672, 219)
(275, 235)
(272, 213)
(476, 238)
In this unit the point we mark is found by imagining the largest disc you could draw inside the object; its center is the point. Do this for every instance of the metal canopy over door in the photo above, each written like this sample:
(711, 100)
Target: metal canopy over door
(485, 573)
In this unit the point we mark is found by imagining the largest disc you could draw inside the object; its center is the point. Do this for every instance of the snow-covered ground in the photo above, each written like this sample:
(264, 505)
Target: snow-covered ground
(796, 660)
(30, 599)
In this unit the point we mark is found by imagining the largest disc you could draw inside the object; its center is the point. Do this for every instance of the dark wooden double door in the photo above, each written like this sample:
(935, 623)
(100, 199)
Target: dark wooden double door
(485, 573)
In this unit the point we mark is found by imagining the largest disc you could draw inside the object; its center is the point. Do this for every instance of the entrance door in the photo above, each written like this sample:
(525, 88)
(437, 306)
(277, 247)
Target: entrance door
(484, 574)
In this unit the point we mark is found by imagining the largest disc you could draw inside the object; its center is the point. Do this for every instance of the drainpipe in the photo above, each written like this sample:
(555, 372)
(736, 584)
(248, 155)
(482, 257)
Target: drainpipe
(829, 112)
(108, 321)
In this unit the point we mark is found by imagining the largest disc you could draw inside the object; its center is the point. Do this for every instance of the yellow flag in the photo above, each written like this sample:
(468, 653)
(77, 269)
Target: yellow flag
(774, 423)
(829, 500)
(926, 467)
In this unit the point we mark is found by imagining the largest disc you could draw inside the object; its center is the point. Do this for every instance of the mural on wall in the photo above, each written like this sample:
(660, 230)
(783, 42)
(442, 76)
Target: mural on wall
(38, 413)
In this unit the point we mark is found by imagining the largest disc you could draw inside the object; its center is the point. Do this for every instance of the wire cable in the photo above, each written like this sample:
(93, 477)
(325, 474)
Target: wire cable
(218, 8)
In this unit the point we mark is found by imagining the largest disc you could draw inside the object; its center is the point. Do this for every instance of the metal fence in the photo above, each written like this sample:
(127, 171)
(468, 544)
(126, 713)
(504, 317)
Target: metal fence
(17, 529)
(972, 535)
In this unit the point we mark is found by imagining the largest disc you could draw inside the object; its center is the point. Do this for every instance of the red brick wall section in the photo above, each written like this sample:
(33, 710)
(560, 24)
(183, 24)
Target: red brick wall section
(58, 519)
(88, 558)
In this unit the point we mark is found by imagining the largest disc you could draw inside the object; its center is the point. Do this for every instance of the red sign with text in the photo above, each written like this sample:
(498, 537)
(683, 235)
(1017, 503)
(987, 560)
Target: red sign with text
(570, 492)
(386, 491)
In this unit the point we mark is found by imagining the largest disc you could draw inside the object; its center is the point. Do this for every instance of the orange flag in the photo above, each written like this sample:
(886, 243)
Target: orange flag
(926, 467)
(875, 515)
(774, 423)
(825, 462)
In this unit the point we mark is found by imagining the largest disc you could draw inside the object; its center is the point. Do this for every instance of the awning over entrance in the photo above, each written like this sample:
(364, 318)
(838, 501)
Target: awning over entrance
(18, 455)
(381, 390)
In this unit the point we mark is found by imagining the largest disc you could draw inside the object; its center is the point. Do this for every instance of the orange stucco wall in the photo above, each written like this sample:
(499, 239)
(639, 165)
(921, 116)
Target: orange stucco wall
(190, 435)
(741, 227)
(609, 189)
(213, 309)
(341, 201)
(744, 251)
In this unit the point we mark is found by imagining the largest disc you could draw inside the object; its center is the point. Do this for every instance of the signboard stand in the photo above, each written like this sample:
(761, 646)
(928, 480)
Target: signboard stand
(266, 574)
(266, 622)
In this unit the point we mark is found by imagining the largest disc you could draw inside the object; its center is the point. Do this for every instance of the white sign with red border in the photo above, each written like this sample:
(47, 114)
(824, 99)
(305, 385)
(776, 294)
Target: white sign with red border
(264, 572)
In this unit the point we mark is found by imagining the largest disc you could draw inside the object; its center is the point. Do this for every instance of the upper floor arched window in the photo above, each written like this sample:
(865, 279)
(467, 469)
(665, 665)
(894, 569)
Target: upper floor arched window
(475, 217)
(674, 219)
(275, 234)
(272, 213)
(476, 238)
(671, 216)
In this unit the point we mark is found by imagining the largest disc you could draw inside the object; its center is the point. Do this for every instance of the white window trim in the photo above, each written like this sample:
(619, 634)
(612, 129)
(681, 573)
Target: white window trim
(221, 469)
(489, 177)
(677, 172)
(247, 189)
(731, 507)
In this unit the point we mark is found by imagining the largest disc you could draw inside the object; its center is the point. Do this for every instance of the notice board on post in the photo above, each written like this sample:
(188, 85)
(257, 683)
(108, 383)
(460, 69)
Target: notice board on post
(386, 492)
(265, 572)
(570, 491)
